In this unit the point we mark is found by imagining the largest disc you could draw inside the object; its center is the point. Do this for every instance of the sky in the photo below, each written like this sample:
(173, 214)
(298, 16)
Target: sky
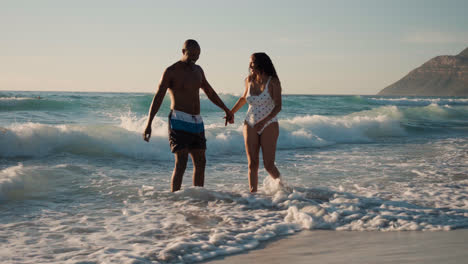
(317, 47)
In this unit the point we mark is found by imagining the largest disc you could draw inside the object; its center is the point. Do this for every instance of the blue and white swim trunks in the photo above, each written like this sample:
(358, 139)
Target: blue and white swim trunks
(186, 131)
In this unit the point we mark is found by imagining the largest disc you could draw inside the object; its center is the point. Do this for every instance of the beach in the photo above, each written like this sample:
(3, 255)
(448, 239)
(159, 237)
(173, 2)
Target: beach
(169, 132)
(320, 246)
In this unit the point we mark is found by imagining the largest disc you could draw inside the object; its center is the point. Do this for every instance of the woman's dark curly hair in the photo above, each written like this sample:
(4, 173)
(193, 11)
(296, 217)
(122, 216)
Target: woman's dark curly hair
(263, 64)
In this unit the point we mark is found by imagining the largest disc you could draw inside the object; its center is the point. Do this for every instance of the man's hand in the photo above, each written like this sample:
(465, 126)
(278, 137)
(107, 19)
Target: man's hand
(229, 118)
(147, 134)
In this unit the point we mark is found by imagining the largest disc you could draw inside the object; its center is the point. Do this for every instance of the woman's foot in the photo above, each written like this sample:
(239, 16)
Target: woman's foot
(283, 186)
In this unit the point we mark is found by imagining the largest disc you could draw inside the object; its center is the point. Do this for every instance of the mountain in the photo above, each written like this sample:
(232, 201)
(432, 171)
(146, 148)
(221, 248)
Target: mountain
(440, 76)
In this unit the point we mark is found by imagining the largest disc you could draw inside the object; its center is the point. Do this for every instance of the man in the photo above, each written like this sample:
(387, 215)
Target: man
(183, 80)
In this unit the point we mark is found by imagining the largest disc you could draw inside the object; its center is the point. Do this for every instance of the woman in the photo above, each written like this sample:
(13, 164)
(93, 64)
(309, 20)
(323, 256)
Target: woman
(261, 130)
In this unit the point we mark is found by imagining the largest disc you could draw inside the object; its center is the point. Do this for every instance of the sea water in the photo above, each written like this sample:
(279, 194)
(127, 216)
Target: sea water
(79, 185)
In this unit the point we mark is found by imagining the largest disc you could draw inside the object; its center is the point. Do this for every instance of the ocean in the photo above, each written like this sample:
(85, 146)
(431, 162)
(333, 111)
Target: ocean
(79, 185)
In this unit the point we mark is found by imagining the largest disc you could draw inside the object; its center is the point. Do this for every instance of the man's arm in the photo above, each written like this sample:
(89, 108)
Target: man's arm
(157, 101)
(213, 96)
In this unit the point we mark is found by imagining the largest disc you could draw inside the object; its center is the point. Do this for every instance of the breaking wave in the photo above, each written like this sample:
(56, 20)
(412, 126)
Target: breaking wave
(124, 137)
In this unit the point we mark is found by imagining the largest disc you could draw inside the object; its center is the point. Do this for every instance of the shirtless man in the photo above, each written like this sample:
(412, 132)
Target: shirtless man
(183, 80)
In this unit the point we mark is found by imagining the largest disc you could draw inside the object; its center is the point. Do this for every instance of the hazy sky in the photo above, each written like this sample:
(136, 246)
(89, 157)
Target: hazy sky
(318, 47)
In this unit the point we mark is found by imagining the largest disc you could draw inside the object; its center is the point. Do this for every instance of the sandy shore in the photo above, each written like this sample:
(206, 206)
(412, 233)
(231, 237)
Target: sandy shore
(360, 247)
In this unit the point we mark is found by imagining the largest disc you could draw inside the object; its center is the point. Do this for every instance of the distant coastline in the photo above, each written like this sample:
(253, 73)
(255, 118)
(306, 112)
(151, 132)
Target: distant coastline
(440, 76)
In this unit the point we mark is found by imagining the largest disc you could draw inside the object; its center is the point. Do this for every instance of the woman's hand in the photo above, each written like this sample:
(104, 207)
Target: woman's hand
(229, 118)
(259, 125)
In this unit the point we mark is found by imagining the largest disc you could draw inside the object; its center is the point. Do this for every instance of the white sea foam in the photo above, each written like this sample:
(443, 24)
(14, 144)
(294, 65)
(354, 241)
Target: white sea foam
(196, 223)
(19, 182)
(16, 98)
(24, 182)
(33, 139)
(36, 140)
(404, 101)
(124, 138)
(12, 181)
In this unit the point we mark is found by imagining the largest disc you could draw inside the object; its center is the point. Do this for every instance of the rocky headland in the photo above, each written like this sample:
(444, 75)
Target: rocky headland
(440, 76)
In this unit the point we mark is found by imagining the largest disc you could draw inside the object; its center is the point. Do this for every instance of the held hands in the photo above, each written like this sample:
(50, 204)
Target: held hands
(229, 118)
(147, 134)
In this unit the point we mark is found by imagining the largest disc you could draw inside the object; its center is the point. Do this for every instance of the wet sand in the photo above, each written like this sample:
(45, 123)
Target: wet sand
(360, 247)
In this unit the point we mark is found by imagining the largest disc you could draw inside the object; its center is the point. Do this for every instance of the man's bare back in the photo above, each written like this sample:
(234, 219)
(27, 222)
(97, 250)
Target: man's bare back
(185, 81)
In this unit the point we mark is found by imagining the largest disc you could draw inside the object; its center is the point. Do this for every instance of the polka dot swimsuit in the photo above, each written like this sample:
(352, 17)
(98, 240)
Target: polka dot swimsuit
(260, 106)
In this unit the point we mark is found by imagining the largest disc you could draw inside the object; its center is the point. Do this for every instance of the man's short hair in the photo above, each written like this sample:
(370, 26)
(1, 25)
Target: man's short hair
(190, 44)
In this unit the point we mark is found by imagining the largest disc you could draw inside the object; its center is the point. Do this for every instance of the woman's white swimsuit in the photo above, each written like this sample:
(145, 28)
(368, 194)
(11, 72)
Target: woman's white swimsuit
(260, 106)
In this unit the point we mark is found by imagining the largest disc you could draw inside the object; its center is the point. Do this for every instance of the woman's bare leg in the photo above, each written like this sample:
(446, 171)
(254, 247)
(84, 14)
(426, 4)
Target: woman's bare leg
(268, 140)
(252, 148)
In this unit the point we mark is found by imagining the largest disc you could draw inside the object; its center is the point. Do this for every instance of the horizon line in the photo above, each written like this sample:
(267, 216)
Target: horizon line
(140, 92)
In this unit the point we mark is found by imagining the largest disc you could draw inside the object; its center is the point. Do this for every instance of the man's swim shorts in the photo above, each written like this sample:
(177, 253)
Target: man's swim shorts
(186, 131)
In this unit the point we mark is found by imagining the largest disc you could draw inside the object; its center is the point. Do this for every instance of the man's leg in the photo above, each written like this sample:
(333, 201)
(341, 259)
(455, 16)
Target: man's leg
(199, 162)
(181, 157)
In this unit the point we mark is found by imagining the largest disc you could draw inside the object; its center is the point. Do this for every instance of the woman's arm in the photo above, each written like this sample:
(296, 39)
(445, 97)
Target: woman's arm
(241, 102)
